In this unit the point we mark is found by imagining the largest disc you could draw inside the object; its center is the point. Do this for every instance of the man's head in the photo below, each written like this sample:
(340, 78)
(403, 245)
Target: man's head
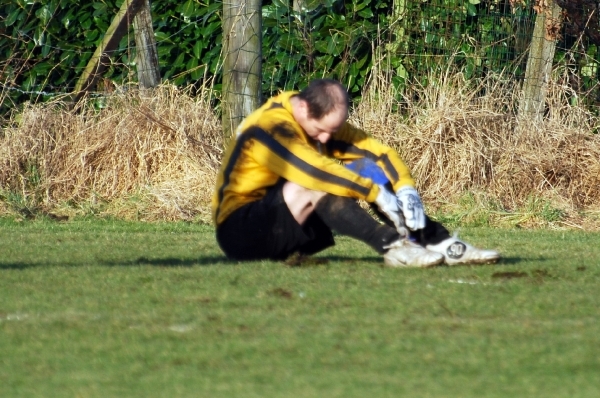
(322, 108)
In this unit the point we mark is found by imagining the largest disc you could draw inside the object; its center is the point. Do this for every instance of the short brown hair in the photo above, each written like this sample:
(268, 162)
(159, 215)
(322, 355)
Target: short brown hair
(323, 96)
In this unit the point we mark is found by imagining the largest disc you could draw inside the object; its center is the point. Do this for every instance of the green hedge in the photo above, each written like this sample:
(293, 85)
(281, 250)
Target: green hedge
(45, 45)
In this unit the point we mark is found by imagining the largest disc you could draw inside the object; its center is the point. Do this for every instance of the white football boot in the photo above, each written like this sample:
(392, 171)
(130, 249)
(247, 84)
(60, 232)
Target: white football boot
(404, 253)
(457, 252)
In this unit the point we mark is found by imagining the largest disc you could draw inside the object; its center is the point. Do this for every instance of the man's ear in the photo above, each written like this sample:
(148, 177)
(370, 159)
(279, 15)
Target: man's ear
(303, 105)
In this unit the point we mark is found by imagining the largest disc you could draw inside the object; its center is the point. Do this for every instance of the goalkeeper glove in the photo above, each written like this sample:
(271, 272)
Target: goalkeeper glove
(412, 208)
(387, 203)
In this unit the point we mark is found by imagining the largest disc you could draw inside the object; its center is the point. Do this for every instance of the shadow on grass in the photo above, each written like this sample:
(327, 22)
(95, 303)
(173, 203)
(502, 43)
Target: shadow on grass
(324, 260)
(184, 262)
(518, 260)
(158, 262)
(176, 262)
(222, 260)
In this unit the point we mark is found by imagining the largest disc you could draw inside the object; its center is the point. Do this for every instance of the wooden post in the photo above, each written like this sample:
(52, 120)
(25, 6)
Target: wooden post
(101, 57)
(242, 67)
(146, 57)
(539, 63)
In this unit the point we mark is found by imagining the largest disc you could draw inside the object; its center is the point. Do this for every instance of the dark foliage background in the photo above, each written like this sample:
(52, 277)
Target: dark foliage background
(45, 45)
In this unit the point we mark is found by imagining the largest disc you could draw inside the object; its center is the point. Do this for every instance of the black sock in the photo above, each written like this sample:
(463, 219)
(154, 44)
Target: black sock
(432, 234)
(345, 216)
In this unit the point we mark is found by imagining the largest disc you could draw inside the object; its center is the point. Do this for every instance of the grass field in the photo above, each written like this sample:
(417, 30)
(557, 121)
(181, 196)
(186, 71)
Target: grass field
(115, 309)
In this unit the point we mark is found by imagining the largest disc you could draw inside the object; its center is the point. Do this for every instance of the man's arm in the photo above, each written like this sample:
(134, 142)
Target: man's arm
(297, 161)
(351, 143)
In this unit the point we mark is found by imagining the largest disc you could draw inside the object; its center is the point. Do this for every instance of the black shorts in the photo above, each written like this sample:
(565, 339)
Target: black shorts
(266, 229)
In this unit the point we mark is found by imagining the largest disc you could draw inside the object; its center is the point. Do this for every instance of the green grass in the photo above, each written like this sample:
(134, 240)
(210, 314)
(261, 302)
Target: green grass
(115, 309)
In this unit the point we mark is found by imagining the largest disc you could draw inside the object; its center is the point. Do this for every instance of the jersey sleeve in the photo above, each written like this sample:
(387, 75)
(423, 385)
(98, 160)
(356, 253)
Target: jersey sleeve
(351, 143)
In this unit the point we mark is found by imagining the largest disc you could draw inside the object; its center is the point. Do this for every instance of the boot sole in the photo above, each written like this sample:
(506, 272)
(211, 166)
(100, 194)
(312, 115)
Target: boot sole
(473, 262)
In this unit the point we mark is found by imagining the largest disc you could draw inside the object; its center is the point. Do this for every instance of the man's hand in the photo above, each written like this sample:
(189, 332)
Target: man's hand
(387, 203)
(412, 208)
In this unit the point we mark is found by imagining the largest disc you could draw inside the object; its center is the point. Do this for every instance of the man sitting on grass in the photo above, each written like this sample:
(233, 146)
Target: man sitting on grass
(282, 190)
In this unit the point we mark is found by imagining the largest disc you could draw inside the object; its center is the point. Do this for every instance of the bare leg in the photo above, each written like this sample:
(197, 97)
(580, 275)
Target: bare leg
(300, 201)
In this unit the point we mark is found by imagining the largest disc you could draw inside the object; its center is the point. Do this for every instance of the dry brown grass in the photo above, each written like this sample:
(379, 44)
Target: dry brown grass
(142, 156)
(155, 157)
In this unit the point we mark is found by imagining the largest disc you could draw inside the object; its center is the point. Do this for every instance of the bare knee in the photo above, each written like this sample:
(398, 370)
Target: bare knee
(301, 201)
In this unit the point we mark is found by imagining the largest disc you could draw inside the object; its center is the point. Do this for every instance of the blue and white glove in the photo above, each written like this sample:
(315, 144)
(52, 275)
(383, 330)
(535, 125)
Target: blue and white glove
(410, 203)
(387, 203)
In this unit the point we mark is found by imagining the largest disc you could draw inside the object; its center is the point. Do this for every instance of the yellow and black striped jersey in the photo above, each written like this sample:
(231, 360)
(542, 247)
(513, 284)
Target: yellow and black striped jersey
(269, 144)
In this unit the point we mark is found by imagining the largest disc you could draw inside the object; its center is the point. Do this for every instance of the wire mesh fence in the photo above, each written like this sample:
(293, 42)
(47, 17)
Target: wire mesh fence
(479, 37)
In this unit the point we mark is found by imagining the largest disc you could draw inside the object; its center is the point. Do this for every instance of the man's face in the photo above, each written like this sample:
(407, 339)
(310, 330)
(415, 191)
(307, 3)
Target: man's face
(322, 129)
